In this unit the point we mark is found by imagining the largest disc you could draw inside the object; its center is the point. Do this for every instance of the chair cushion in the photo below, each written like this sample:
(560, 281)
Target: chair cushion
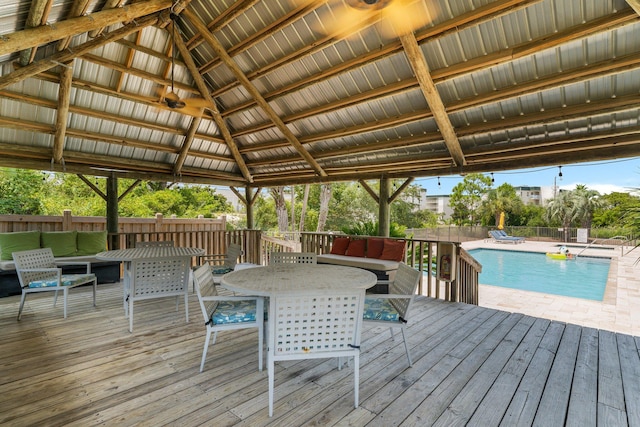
(374, 247)
(234, 312)
(380, 309)
(91, 242)
(393, 250)
(18, 241)
(66, 280)
(339, 245)
(62, 243)
(356, 248)
(221, 270)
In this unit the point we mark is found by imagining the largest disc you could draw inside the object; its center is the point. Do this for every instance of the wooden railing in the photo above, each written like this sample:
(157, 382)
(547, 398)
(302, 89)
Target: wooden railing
(421, 254)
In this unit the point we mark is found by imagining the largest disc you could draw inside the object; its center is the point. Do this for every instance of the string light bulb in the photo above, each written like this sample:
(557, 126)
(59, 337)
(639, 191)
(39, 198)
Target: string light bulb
(439, 182)
(560, 172)
(492, 179)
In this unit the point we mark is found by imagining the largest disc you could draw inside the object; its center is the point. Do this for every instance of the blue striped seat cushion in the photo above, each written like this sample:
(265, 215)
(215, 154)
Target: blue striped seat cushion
(380, 309)
(66, 280)
(234, 312)
(221, 270)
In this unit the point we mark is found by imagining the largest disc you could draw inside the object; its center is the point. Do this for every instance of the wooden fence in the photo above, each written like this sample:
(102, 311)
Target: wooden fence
(421, 254)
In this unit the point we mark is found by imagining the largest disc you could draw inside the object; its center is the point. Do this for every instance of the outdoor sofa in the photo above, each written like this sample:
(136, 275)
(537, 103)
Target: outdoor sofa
(378, 255)
(67, 246)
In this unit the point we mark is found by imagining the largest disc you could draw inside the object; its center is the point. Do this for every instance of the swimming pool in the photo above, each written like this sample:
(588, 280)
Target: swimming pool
(581, 278)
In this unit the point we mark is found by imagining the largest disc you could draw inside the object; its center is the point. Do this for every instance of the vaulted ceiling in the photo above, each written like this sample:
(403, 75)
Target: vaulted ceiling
(275, 92)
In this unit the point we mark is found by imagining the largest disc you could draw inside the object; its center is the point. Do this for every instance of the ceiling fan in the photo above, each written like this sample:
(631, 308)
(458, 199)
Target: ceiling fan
(392, 17)
(190, 106)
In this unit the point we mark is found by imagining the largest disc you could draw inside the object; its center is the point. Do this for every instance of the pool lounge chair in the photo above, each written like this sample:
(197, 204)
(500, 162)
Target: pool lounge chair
(500, 236)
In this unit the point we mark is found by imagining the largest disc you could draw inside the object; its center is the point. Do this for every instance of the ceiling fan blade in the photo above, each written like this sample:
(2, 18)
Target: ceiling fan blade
(196, 102)
(406, 16)
(342, 21)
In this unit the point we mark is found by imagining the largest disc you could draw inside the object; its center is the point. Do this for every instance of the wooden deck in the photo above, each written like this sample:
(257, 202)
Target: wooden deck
(472, 365)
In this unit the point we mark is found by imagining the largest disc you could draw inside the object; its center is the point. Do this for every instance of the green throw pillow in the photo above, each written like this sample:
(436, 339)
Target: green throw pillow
(91, 242)
(62, 243)
(18, 241)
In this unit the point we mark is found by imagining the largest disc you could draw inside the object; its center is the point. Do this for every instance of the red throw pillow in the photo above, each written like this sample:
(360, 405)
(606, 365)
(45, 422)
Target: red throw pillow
(374, 247)
(393, 250)
(356, 248)
(340, 245)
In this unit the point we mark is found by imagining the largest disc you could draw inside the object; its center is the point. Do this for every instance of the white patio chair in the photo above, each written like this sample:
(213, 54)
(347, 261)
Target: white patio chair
(225, 313)
(222, 264)
(314, 325)
(292, 258)
(157, 278)
(38, 272)
(392, 309)
(160, 244)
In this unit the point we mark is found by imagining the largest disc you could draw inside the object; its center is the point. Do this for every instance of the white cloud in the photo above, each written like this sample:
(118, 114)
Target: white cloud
(601, 188)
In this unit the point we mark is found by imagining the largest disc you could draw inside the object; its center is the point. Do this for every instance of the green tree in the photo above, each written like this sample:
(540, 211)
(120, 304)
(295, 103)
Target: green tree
(499, 200)
(585, 203)
(466, 197)
(21, 192)
(613, 209)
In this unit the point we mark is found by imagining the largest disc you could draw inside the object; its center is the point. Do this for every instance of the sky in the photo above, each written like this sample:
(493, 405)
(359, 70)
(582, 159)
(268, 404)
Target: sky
(621, 175)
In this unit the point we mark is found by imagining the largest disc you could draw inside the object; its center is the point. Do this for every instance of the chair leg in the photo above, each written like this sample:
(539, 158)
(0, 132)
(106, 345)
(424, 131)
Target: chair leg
(130, 314)
(95, 289)
(270, 368)
(55, 298)
(356, 379)
(260, 345)
(186, 304)
(206, 347)
(406, 347)
(65, 293)
(22, 299)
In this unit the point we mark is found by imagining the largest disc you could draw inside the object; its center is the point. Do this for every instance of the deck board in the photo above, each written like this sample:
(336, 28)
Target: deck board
(472, 366)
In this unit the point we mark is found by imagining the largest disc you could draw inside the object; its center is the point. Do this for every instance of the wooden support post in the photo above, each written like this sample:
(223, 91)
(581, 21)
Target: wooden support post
(112, 209)
(384, 208)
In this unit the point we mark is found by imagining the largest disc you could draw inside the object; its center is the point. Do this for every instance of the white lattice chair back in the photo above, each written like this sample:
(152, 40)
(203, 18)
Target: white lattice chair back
(205, 287)
(310, 325)
(405, 282)
(292, 258)
(34, 259)
(160, 277)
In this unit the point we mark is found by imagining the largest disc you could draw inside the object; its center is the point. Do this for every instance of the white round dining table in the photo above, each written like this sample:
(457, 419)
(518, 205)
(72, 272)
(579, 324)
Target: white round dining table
(289, 278)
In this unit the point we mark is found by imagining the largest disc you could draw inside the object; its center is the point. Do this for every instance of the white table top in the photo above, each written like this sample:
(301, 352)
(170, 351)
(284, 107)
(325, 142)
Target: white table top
(265, 281)
(148, 253)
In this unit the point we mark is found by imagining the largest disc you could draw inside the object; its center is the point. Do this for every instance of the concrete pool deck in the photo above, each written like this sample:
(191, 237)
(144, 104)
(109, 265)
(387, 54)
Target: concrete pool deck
(618, 312)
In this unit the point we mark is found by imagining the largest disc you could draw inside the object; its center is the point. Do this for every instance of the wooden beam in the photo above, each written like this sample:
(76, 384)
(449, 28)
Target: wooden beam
(400, 189)
(237, 72)
(37, 13)
(635, 5)
(92, 186)
(37, 36)
(79, 8)
(421, 70)
(369, 190)
(66, 56)
(186, 145)
(109, 4)
(204, 91)
(64, 98)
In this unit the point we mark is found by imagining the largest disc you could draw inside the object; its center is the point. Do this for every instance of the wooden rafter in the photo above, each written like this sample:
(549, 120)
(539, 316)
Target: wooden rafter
(64, 98)
(635, 4)
(78, 8)
(237, 72)
(108, 4)
(204, 91)
(62, 57)
(38, 13)
(37, 36)
(186, 145)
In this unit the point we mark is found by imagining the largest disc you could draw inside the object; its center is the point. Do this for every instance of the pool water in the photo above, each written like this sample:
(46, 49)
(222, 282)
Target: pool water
(581, 278)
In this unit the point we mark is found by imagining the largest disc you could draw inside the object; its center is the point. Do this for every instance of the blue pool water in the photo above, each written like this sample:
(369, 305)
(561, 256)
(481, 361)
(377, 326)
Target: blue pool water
(581, 278)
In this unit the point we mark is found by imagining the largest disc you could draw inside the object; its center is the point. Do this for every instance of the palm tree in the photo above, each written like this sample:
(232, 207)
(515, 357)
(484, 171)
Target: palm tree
(562, 208)
(503, 199)
(585, 203)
